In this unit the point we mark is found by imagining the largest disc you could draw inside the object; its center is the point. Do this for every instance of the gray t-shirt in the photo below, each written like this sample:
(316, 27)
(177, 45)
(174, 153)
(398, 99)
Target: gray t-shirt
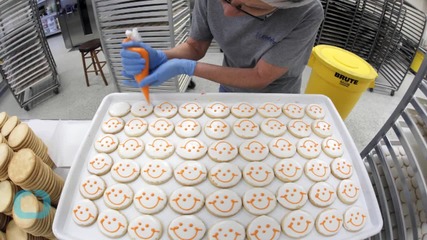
(285, 39)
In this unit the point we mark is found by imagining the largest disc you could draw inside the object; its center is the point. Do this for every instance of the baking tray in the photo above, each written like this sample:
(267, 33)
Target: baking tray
(65, 228)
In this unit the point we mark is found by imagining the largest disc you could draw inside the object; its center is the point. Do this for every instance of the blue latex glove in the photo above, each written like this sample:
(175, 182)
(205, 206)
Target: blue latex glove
(168, 70)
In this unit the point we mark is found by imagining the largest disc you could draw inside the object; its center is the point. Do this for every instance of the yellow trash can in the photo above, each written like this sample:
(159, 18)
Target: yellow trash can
(341, 75)
(418, 59)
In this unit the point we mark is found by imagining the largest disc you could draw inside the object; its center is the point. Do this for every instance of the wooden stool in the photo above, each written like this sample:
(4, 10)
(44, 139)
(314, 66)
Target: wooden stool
(92, 47)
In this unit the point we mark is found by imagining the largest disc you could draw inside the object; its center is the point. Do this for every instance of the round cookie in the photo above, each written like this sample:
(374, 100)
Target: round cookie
(190, 110)
(341, 168)
(217, 129)
(85, 212)
(308, 148)
(273, 127)
(292, 196)
(222, 151)
(329, 222)
(263, 227)
(119, 109)
(136, 127)
(145, 227)
(217, 110)
(253, 150)
(293, 110)
(317, 170)
(332, 147)
(186, 227)
(321, 128)
(269, 110)
(190, 173)
(225, 175)
(355, 219)
(191, 148)
(107, 143)
(161, 127)
(92, 187)
(297, 224)
(315, 111)
(187, 128)
(186, 200)
(243, 110)
(100, 164)
(288, 170)
(141, 109)
(322, 194)
(282, 147)
(125, 171)
(227, 230)
(245, 128)
(131, 148)
(150, 200)
(259, 201)
(223, 203)
(348, 192)
(156, 171)
(159, 148)
(258, 174)
(112, 223)
(118, 196)
(112, 125)
(165, 110)
(299, 128)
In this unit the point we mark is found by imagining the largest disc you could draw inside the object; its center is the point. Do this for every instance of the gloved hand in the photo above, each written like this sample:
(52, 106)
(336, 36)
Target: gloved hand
(168, 70)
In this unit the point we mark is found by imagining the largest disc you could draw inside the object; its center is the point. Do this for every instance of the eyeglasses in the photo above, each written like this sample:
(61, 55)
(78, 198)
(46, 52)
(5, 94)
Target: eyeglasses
(261, 18)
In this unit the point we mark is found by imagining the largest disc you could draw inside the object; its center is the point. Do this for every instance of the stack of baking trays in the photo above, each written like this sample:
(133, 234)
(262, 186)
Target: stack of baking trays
(26, 63)
(162, 24)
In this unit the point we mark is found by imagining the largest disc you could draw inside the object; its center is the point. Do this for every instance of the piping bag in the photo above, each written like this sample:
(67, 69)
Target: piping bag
(133, 35)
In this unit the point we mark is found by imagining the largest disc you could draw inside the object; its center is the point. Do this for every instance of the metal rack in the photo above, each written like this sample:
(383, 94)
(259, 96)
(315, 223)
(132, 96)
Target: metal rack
(162, 24)
(398, 168)
(27, 65)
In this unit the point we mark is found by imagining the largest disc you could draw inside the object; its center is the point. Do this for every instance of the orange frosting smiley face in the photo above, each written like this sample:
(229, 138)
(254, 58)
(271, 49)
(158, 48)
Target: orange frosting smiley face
(246, 126)
(322, 125)
(100, 163)
(224, 148)
(161, 145)
(293, 108)
(244, 108)
(223, 234)
(265, 232)
(145, 231)
(191, 173)
(224, 203)
(155, 170)
(269, 107)
(294, 196)
(324, 195)
(275, 124)
(218, 107)
(92, 187)
(136, 124)
(113, 123)
(118, 196)
(217, 126)
(125, 170)
(149, 200)
(300, 225)
(111, 224)
(161, 125)
(224, 175)
(193, 146)
(188, 125)
(299, 126)
(357, 219)
(344, 168)
(83, 214)
(191, 107)
(289, 169)
(258, 174)
(166, 107)
(330, 223)
(187, 230)
(349, 190)
(187, 202)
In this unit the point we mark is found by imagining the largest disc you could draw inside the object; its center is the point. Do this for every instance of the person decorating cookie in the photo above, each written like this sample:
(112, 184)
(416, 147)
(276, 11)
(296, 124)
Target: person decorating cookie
(266, 45)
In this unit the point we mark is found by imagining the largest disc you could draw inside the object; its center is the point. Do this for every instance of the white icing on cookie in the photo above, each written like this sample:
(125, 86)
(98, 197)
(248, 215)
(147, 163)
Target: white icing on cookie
(227, 230)
(223, 203)
(161, 127)
(186, 227)
(288, 170)
(348, 192)
(112, 223)
(187, 128)
(341, 168)
(159, 148)
(217, 129)
(329, 222)
(92, 187)
(253, 150)
(355, 219)
(118, 196)
(165, 110)
(263, 227)
(217, 110)
(322, 194)
(243, 110)
(150, 200)
(308, 148)
(282, 147)
(273, 127)
(292, 196)
(332, 147)
(100, 164)
(321, 128)
(222, 151)
(315, 111)
(186, 200)
(119, 109)
(125, 171)
(258, 174)
(259, 201)
(317, 170)
(190, 173)
(293, 110)
(85, 212)
(141, 109)
(245, 128)
(299, 128)
(156, 171)
(106, 143)
(225, 175)
(145, 227)
(269, 110)
(136, 127)
(297, 224)
(190, 110)
(131, 148)
(112, 125)
(191, 148)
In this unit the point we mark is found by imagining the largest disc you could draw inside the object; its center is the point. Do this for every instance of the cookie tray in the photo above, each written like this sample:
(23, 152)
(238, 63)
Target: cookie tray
(65, 228)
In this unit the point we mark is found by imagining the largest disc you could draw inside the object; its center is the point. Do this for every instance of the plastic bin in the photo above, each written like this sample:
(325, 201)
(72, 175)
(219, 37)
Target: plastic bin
(341, 75)
(418, 59)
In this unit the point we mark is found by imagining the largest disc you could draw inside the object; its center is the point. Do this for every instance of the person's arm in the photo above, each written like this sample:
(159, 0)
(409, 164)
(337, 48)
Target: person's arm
(191, 49)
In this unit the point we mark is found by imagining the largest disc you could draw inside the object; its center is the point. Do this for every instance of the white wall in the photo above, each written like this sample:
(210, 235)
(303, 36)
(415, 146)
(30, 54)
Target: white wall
(422, 5)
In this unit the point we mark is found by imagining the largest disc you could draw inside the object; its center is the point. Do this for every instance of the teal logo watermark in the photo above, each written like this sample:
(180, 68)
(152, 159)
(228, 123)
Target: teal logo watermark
(40, 194)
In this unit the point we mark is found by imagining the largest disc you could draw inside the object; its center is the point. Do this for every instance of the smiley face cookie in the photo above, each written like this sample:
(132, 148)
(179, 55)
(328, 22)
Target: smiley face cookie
(223, 203)
(136, 127)
(112, 125)
(156, 172)
(263, 227)
(106, 143)
(225, 175)
(119, 109)
(329, 222)
(322, 194)
(186, 200)
(150, 200)
(186, 227)
(355, 219)
(222, 151)
(258, 174)
(297, 224)
(292, 196)
(217, 129)
(190, 173)
(165, 110)
(348, 192)
(273, 127)
(243, 110)
(125, 171)
(315, 111)
(317, 170)
(253, 150)
(187, 128)
(341, 168)
(85, 212)
(299, 128)
(92, 187)
(191, 110)
(288, 170)
(259, 201)
(227, 230)
(100, 164)
(245, 128)
(332, 147)
(191, 148)
(293, 110)
(321, 128)
(161, 127)
(141, 109)
(217, 110)
(118, 196)
(308, 148)
(145, 227)
(159, 148)
(131, 148)
(112, 223)
(282, 147)
(270, 110)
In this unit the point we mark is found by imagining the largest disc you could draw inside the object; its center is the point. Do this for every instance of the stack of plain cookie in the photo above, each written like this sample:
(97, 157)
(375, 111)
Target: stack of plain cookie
(16, 233)
(9, 125)
(8, 191)
(6, 154)
(3, 119)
